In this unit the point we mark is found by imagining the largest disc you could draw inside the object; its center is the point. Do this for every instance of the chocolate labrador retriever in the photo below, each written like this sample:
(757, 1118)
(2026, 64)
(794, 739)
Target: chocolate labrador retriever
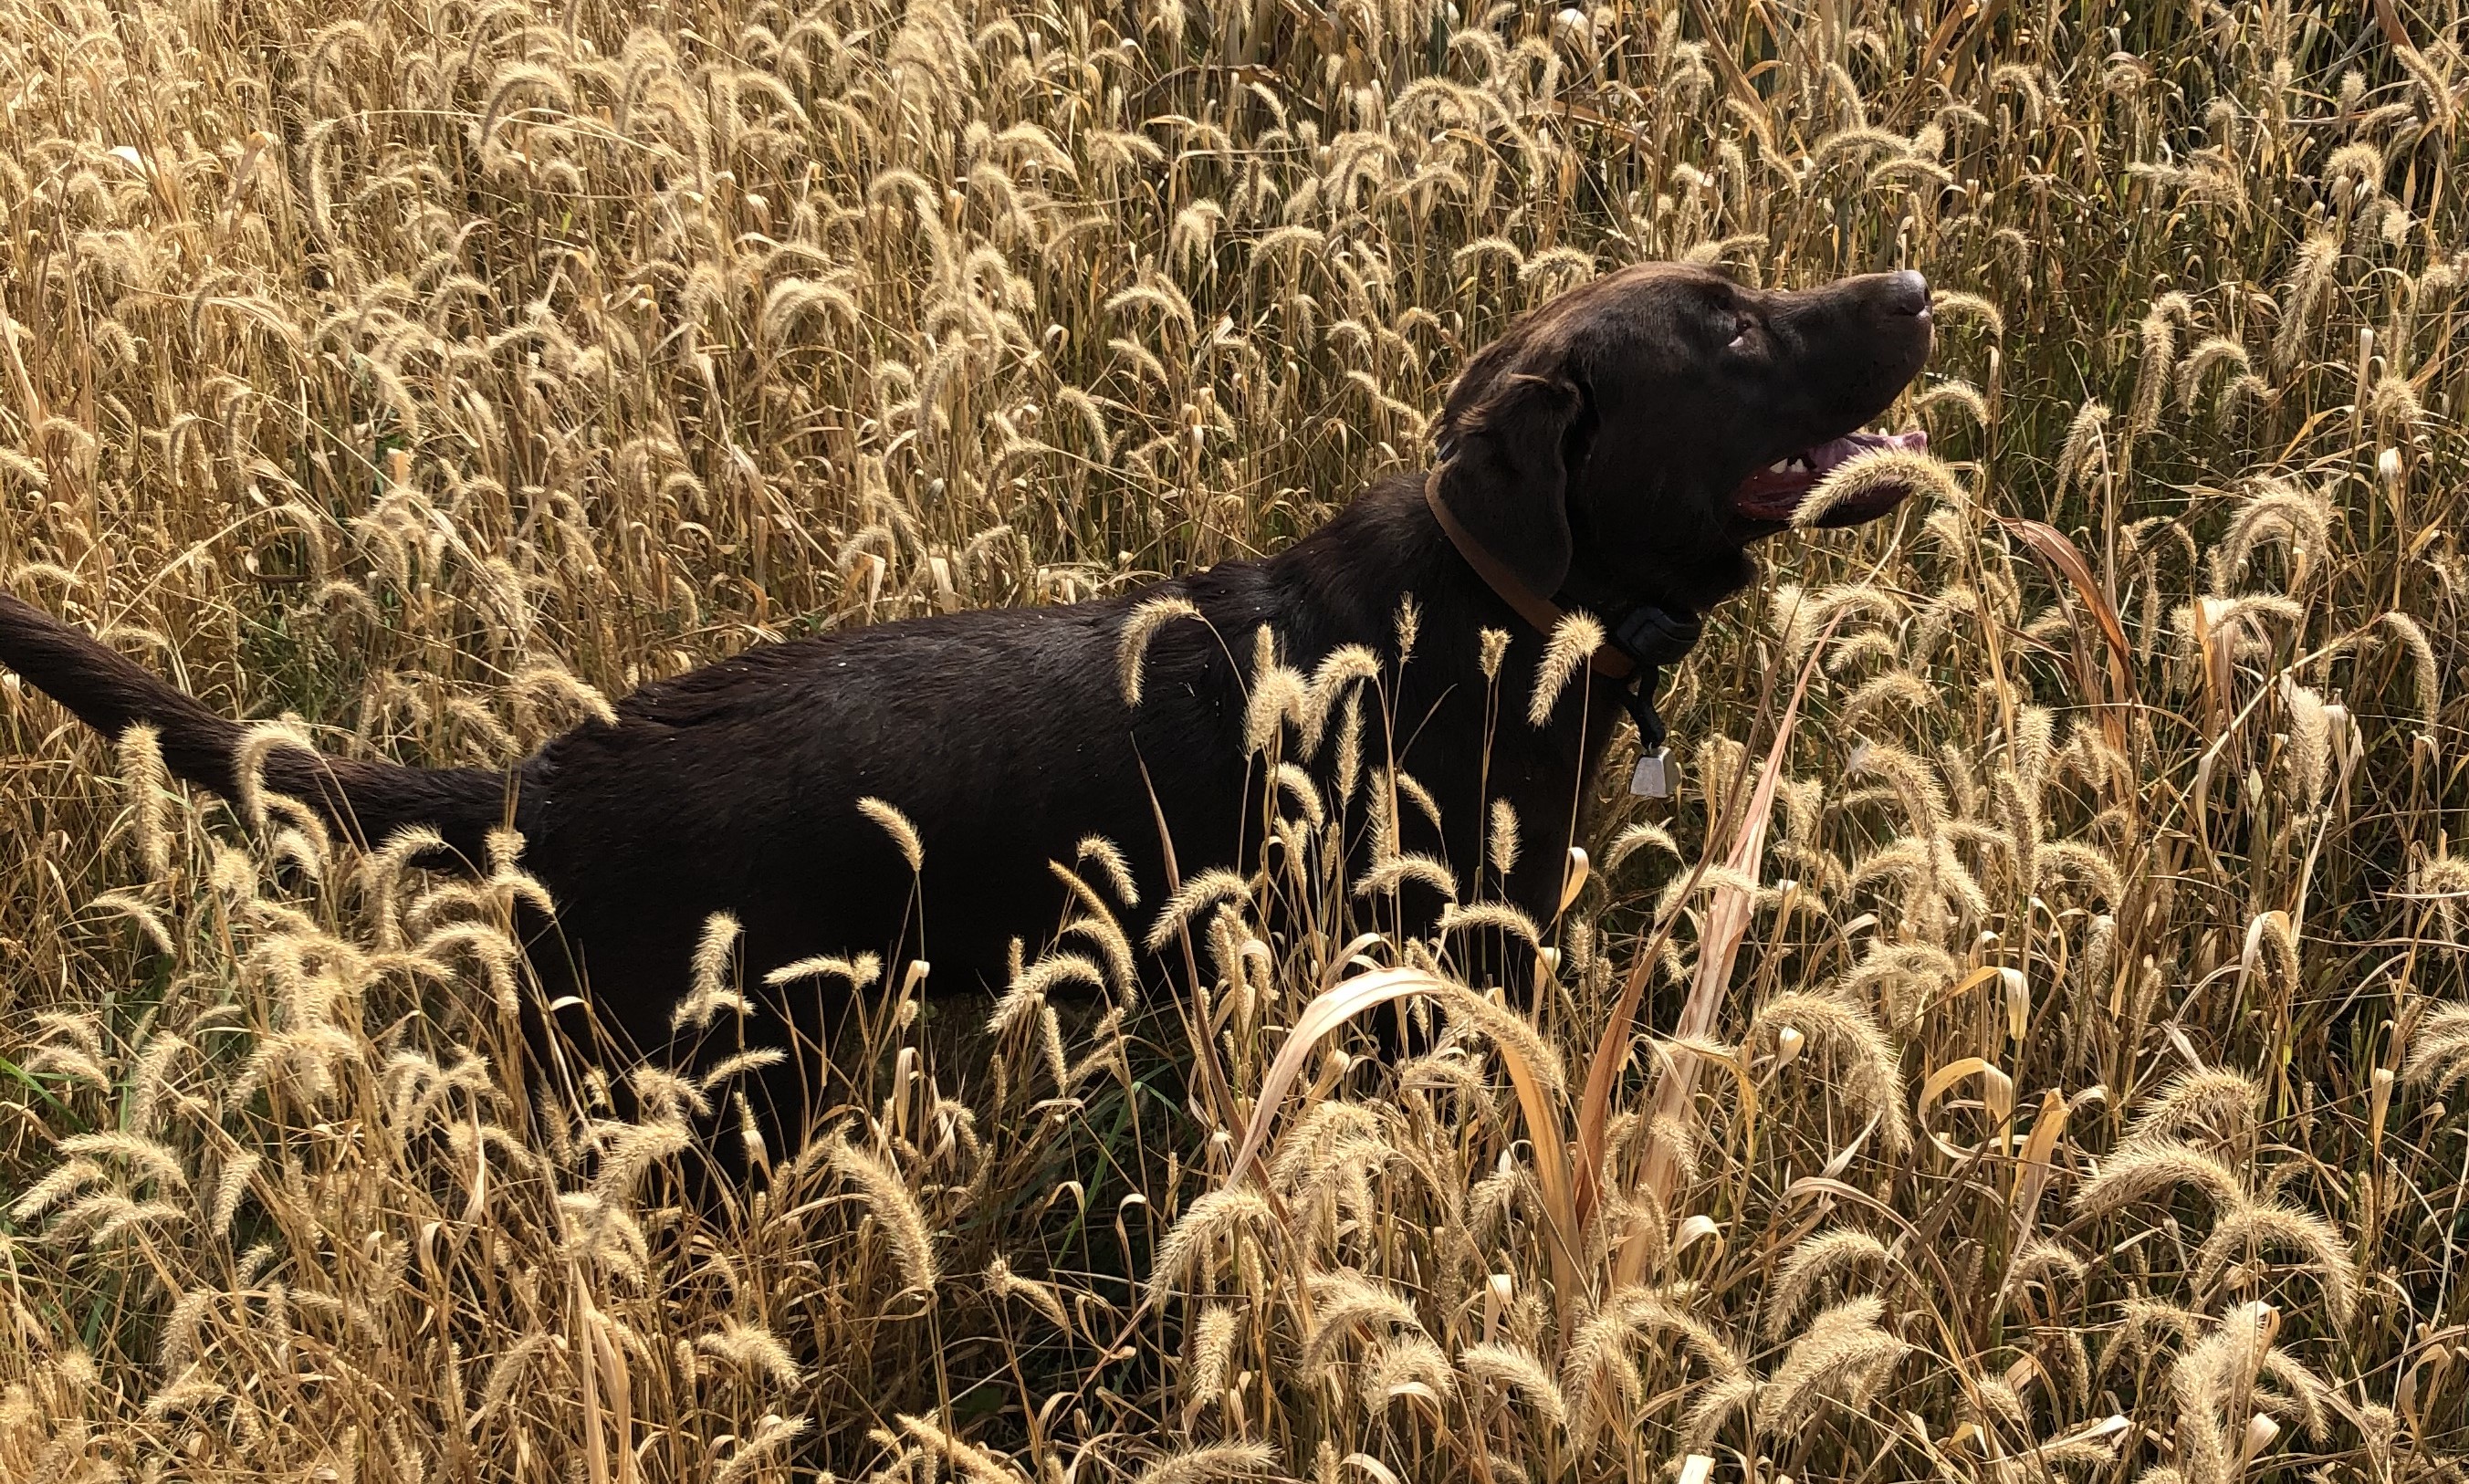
(1619, 450)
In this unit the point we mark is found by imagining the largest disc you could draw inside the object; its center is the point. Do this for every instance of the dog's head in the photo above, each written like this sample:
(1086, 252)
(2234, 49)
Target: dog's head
(1634, 436)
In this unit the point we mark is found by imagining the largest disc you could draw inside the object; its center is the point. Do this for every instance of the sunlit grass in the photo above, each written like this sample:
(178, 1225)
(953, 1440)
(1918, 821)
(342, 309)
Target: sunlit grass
(2038, 1065)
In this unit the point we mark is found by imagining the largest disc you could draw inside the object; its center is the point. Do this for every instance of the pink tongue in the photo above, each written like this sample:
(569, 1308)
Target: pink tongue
(1827, 455)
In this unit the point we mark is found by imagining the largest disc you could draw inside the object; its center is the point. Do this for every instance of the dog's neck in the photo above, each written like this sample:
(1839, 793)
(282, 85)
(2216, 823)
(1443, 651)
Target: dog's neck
(1461, 730)
(1392, 530)
(1638, 638)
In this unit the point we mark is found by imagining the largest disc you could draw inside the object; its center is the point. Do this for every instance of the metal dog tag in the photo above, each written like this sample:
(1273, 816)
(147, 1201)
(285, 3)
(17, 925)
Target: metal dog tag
(1657, 775)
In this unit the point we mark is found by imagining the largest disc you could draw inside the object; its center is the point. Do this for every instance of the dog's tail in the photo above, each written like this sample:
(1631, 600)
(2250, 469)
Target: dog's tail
(368, 801)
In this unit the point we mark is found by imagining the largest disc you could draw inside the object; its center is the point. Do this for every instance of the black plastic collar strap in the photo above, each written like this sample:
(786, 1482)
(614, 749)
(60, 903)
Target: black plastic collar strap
(1639, 697)
(1652, 637)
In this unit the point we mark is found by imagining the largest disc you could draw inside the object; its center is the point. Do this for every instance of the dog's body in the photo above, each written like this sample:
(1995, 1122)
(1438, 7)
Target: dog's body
(1028, 747)
(1613, 448)
(1003, 734)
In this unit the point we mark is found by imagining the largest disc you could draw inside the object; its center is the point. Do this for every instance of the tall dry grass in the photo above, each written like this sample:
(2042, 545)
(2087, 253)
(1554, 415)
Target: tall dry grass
(2047, 996)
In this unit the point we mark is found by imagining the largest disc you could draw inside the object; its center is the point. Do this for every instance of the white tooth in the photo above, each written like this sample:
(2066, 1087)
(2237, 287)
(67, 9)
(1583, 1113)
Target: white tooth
(1780, 466)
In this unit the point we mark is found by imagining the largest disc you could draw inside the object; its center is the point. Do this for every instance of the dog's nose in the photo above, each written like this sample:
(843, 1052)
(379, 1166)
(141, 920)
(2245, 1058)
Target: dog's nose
(1906, 292)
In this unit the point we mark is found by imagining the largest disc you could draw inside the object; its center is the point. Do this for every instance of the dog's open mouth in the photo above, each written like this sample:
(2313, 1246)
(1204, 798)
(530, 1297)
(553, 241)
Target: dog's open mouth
(1772, 494)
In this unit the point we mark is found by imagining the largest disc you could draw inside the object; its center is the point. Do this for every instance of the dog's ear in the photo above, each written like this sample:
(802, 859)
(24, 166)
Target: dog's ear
(1504, 473)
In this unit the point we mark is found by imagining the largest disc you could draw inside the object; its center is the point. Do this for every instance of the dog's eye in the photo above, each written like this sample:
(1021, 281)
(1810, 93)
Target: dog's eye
(1742, 325)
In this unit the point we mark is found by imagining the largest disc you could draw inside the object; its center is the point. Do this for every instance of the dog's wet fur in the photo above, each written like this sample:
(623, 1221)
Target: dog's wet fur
(1594, 448)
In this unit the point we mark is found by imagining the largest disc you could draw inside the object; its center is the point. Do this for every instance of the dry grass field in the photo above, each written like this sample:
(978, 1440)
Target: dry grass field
(2068, 910)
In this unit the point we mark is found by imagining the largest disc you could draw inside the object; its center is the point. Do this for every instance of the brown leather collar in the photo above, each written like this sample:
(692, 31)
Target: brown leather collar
(1537, 610)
